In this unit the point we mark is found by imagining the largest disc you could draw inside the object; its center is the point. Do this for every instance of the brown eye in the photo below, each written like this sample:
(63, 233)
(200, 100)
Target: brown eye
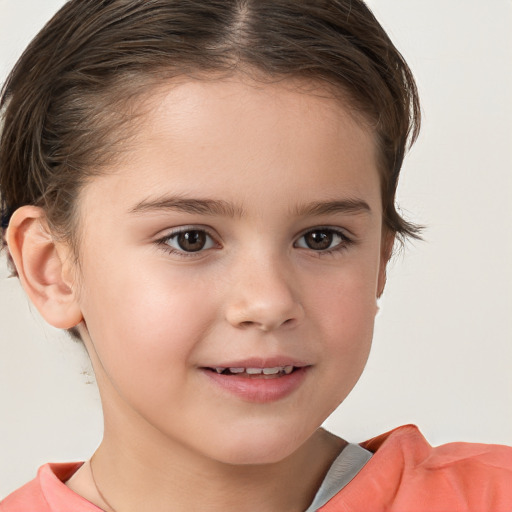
(191, 240)
(321, 239)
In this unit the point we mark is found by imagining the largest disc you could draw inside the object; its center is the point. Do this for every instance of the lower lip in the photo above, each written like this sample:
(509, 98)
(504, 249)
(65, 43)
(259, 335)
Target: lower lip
(259, 389)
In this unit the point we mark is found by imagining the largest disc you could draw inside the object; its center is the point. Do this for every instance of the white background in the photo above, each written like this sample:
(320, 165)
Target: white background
(442, 354)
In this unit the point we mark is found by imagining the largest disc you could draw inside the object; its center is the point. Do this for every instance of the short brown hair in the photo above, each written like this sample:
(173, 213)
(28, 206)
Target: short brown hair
(63, 103)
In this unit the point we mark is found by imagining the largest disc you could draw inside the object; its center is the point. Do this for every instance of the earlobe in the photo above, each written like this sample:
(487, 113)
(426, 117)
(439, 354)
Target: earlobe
(43, 267)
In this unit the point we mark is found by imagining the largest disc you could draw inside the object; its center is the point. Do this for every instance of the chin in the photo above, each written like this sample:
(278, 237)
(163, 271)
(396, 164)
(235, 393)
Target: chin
(262, 447)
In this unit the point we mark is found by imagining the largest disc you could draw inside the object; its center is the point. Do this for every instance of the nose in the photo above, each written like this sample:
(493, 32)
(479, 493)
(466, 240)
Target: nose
(264, 296)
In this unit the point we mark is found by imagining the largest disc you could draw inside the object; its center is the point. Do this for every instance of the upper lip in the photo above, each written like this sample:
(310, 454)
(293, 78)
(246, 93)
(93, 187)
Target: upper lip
(259, 362)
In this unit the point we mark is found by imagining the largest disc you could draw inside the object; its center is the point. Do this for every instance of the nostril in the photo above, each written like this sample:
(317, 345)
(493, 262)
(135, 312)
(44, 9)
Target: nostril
(265, 326)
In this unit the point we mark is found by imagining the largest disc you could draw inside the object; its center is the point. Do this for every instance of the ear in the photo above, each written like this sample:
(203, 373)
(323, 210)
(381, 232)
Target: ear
(44, 267)
(387, 242)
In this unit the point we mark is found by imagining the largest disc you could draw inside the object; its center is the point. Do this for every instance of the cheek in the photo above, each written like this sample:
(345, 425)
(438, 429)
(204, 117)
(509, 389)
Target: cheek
(146, 321)
(346, 300)
(345, 317)
(348, 330)
(349, 317)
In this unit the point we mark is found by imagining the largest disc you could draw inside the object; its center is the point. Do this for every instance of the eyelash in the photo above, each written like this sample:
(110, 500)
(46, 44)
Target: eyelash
(164, 241)
(344, 244)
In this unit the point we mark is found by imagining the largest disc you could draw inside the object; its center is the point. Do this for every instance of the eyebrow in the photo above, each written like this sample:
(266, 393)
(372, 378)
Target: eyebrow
(348, 206)
(218, 207)
(190, 205)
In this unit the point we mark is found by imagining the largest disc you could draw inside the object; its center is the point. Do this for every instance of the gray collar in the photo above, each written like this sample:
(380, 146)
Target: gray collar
(344, 468)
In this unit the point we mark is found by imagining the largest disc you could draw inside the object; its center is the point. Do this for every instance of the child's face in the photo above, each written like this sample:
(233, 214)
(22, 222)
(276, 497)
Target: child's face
(279, 264)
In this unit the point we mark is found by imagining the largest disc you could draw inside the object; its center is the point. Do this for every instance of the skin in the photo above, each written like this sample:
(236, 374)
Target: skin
(151, 319)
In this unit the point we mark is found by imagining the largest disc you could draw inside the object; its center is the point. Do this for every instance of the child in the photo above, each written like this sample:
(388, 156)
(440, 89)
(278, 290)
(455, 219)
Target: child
(203, 193)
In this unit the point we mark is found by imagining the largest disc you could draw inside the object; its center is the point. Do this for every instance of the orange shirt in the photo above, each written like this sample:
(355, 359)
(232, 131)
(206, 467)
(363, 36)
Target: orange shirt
(405, 474)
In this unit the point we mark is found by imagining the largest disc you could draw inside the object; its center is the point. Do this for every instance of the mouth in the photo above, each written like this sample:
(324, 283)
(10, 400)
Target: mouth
(266, 373)
(258, 381)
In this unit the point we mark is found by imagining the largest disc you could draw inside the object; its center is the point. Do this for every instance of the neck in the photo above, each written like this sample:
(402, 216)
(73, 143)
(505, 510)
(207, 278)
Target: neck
(134, 477)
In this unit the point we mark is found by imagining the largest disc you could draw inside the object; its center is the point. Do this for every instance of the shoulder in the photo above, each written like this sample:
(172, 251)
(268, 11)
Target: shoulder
(407, 474)
(48, 493)
(410, 451)
(28, 497)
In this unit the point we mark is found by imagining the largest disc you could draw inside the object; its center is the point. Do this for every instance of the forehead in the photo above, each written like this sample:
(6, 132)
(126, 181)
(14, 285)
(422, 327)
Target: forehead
(235, 138)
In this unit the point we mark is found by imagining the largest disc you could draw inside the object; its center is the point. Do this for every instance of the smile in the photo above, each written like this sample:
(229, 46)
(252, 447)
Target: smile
(261, 384)
(255, 372)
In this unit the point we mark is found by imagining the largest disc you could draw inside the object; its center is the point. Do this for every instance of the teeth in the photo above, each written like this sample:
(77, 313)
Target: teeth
(254, 371)
(258, 371)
